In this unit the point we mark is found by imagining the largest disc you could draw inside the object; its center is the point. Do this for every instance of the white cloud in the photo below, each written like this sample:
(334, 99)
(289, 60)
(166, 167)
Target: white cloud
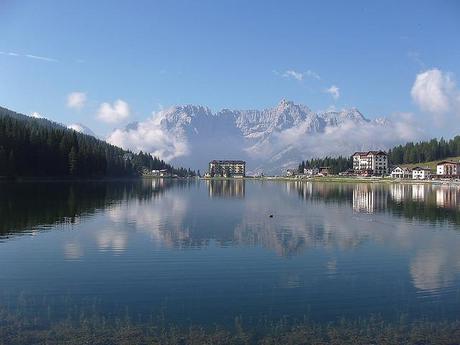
(76, 100)
(293, 74)
(349, 136)
(37, 115)
(43, 58)
(150, 136)
(29, 56)
(313, 74)
(436, 92)
(334, 91)
(78, 127)
(117, 112)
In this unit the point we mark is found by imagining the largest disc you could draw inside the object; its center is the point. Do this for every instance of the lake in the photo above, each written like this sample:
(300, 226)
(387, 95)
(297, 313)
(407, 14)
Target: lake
(207, 252)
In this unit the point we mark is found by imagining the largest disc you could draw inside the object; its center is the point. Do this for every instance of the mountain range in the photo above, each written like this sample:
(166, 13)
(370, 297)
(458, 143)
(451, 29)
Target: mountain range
(270, 140)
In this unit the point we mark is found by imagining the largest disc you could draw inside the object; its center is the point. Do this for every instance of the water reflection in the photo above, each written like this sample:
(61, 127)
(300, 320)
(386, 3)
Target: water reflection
(368, 199)
(226, 188)
(420, 221)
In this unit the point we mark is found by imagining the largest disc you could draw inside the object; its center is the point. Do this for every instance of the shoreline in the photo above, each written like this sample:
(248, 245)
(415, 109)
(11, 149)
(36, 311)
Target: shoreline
(325, 179)
(337, 179)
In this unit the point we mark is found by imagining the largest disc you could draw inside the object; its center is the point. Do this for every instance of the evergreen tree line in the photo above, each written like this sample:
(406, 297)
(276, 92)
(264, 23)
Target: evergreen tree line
(424, 151)
(336, 164)
(31, 147)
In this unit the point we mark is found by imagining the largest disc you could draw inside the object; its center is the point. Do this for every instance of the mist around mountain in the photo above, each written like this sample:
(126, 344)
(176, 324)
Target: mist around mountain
(270, 140)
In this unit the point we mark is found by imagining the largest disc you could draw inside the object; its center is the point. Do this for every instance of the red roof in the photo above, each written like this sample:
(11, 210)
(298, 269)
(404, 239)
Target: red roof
(358, 153)
(447, 162)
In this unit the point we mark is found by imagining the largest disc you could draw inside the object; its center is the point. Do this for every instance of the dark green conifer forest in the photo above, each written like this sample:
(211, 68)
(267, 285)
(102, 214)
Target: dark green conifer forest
(31, 147)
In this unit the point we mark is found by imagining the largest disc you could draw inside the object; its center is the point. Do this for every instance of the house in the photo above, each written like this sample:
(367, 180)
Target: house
(448, 169)
(311, 171)
(401, 172)
(348, 172)
(291, 172)
(324, 171)
(370, 163)
(164, 173)
(227, 168)
(419, 173)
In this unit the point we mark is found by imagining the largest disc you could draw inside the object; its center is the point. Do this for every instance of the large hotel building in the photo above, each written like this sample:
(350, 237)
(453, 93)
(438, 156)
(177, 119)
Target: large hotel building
(370, 163)
(227, 168)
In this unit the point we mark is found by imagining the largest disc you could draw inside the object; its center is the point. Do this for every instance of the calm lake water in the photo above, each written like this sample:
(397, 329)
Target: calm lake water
(205, 252)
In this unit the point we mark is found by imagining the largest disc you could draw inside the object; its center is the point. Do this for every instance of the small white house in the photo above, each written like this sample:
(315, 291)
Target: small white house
(311, 171)
(291, 172)
(401, 172)
(419, 173)
(165, 173)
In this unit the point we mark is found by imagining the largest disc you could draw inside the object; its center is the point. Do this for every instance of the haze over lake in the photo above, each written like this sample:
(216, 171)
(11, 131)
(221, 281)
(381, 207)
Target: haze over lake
(205, 252)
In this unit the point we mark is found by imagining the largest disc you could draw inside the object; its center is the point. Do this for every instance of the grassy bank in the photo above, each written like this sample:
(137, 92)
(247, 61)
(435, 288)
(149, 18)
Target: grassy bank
(432, 164)
(16, 330)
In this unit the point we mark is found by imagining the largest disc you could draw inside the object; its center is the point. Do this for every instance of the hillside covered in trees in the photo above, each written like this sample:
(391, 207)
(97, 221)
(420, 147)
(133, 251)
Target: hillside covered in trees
(420, 152)
(425, 151)
(31, 147)
(337, 164)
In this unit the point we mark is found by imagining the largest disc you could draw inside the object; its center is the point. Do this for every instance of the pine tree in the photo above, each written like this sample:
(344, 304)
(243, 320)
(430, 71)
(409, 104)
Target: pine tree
(3, 162)
(73, 162)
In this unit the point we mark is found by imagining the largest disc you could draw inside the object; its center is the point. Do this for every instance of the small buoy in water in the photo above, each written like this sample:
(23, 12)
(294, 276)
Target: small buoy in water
(271, 216)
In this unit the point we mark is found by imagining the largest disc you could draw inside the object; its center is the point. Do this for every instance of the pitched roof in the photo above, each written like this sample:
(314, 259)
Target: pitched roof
(228, 162)
(402, 168)
(447, 162)
(361, 153)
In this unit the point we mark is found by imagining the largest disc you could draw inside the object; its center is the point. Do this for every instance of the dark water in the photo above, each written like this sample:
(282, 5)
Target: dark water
(206, 252)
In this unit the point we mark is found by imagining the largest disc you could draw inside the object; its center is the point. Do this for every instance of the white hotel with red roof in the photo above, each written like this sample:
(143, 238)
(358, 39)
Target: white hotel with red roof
(370, 163)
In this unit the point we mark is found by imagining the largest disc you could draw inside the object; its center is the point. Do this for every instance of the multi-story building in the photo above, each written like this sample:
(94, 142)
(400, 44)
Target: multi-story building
(448, 169)
(419, 173)
(227, 168)
(370, 163)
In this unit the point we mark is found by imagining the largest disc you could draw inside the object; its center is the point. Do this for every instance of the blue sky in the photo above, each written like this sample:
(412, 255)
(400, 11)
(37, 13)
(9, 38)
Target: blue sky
(234, 54)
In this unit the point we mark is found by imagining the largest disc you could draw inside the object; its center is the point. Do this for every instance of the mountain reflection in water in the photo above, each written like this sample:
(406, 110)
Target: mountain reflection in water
(365, 239)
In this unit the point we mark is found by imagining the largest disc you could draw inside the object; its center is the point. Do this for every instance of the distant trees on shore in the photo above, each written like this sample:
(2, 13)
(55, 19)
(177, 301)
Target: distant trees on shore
(336, 164)
(423, 151)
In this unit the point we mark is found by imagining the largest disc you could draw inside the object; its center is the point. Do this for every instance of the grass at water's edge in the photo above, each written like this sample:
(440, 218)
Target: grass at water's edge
(15, 330)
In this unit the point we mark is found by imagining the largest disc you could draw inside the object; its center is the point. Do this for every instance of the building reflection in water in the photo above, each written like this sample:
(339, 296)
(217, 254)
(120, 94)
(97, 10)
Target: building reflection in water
(418, 192)
(369, 198)
(181, 214)
(399, 192)
(228, 188)
(447, 197)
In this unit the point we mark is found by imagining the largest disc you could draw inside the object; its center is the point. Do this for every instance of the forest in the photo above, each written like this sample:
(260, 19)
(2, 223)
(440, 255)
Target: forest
(32, 147)
(336, 164)
(420, 152)
(425, 151)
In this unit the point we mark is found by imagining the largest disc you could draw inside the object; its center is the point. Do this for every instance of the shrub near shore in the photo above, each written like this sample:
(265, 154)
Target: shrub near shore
(18, 330)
